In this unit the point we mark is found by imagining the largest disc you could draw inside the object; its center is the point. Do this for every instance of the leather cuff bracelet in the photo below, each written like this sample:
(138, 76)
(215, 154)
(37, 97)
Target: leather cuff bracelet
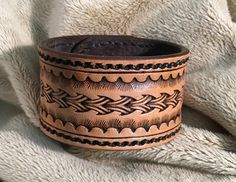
(111, 92)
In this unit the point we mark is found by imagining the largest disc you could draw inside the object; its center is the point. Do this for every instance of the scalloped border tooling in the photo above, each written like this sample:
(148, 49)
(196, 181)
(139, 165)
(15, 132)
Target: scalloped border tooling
(97, 78)
(127, 78)
(107, 143)
(103, 105)
(119, 84)
(87, 128)
(91, 65)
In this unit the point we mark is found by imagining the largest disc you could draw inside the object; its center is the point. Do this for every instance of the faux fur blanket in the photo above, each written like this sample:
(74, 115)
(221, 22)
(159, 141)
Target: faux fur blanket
(206, 147)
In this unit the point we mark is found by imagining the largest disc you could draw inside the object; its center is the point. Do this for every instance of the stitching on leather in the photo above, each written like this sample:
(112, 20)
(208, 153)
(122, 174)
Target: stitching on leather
(110, 144)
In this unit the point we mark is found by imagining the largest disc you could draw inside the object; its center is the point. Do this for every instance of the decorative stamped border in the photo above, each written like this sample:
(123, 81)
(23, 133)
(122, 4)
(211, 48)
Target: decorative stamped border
(112, 77)
(108, 143)
(80, 129)
(119, 84)
(90, 65)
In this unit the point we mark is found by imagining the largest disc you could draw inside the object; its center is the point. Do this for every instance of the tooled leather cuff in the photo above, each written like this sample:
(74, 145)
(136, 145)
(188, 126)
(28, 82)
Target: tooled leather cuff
(111, 92)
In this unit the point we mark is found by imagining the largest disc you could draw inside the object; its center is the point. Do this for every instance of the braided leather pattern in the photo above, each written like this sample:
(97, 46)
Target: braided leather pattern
(104, 105)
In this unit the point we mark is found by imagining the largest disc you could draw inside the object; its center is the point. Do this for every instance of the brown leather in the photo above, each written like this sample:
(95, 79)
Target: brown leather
(111, 92)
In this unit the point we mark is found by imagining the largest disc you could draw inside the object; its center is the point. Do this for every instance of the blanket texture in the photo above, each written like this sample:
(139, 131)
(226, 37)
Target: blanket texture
(206, 146)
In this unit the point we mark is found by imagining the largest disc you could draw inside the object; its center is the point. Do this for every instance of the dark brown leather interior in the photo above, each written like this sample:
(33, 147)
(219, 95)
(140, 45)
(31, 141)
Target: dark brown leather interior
(113, 46)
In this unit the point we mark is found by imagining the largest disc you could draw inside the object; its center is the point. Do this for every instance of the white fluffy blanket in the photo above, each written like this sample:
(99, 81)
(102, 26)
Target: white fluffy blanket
(206, 147)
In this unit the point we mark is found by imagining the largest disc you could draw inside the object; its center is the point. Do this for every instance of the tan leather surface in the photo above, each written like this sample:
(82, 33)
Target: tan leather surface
(111, 92)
